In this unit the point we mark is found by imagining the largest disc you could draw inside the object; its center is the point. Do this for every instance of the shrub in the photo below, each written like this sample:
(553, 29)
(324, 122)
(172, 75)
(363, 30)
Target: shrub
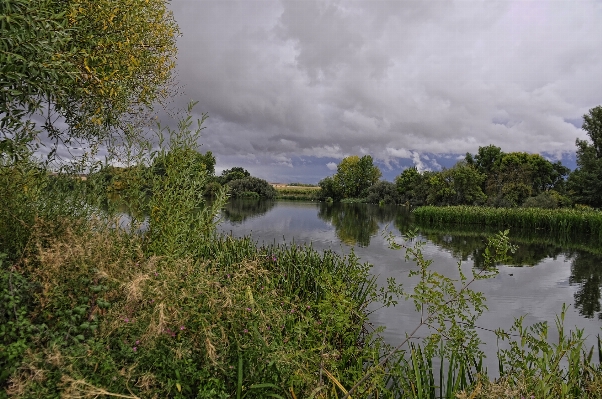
(252, 184)
(212, 189)
(544, 200)
(382, 192)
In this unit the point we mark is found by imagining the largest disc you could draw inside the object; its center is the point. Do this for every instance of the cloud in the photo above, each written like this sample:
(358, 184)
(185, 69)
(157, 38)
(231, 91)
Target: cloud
(287, 79)
(331, 166)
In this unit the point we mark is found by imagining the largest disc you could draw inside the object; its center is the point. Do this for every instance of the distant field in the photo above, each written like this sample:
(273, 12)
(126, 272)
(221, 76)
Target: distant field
(295, 192)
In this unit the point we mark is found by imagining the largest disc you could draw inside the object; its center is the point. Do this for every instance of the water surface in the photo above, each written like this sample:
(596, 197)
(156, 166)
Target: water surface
(545, 273)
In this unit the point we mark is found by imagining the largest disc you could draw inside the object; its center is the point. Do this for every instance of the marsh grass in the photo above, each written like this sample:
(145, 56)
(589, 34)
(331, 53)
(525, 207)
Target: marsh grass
(560, 221)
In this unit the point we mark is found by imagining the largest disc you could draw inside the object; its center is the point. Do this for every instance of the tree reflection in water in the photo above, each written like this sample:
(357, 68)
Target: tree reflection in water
(586, 271)
(238, 210)
(355, 224)
(533, 248)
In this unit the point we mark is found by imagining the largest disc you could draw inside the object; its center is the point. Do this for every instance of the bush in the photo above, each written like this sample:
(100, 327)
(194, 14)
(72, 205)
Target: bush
(252, 184)
(212, 189)
(382, 192)
(544, 200)
(249, 195)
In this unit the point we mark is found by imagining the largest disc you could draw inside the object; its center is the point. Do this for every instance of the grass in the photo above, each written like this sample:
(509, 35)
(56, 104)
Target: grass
(242, 317)
(560, 221)
(296, 193)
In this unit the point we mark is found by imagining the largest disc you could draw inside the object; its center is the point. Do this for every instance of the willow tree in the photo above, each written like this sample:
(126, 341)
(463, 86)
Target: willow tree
(82, 69)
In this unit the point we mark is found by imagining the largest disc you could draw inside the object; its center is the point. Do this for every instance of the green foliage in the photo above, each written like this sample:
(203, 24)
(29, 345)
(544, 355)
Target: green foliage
(235, 173)
(353, 178)
(258, 187)
(235, 318)
(179, 219)
(585, 182)
(329, 190)
(297, 192)
(383, 192)
(355, 175)
(94, 65)
(545, 200)
(510, 178)
(15, 326)
(536, 367)
(30, 66)
(563, 221)
(408, 185)
(203, 163)
(487, 160)
(212, 189)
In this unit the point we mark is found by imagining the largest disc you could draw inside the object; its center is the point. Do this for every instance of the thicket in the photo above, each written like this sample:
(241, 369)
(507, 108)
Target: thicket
(251, 187)
(90, 309)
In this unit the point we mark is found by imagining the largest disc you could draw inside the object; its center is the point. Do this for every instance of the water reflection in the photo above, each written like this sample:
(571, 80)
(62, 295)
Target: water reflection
(586, 271)
(358, 224)
(533, 249)
(239, 210)
(355, 224)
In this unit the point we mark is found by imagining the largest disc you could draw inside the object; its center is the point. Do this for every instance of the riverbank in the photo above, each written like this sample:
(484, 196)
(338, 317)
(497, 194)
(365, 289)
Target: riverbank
(233, 320)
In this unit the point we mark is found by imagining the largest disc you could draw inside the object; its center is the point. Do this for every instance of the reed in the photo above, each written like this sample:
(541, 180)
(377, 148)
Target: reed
(559, 221)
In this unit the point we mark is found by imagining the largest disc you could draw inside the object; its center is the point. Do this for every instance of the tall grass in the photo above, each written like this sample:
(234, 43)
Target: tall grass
(560, 221)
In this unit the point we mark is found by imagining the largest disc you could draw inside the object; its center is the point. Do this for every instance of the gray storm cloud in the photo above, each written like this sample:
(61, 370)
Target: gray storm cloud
(288, 79)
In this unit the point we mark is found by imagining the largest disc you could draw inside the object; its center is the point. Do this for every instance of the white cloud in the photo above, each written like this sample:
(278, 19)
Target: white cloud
(393, 79)
(331, 166)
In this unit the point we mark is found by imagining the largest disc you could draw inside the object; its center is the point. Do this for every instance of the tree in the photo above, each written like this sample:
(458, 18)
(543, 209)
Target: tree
(383, 192)
(592, 124)
(355, 175)
(96, 66)
(487, 160)
(235, 173)
(329, 189)
(466, 182)
(408, 183)
(510, 178)
(252, 187)
(585, 183)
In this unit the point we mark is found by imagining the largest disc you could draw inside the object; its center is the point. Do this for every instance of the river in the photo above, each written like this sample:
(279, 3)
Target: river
(544, 273)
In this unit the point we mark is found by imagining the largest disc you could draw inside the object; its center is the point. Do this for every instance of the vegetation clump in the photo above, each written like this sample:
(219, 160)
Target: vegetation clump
(251, 187)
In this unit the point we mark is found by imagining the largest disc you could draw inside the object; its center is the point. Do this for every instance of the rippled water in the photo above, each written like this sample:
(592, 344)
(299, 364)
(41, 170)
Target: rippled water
(545, 272)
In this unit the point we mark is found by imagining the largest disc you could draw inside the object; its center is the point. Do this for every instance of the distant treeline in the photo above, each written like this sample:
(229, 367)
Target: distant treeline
(490, 177)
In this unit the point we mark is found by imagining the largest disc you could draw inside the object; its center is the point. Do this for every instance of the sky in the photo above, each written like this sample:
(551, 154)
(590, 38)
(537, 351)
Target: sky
(293, 87)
